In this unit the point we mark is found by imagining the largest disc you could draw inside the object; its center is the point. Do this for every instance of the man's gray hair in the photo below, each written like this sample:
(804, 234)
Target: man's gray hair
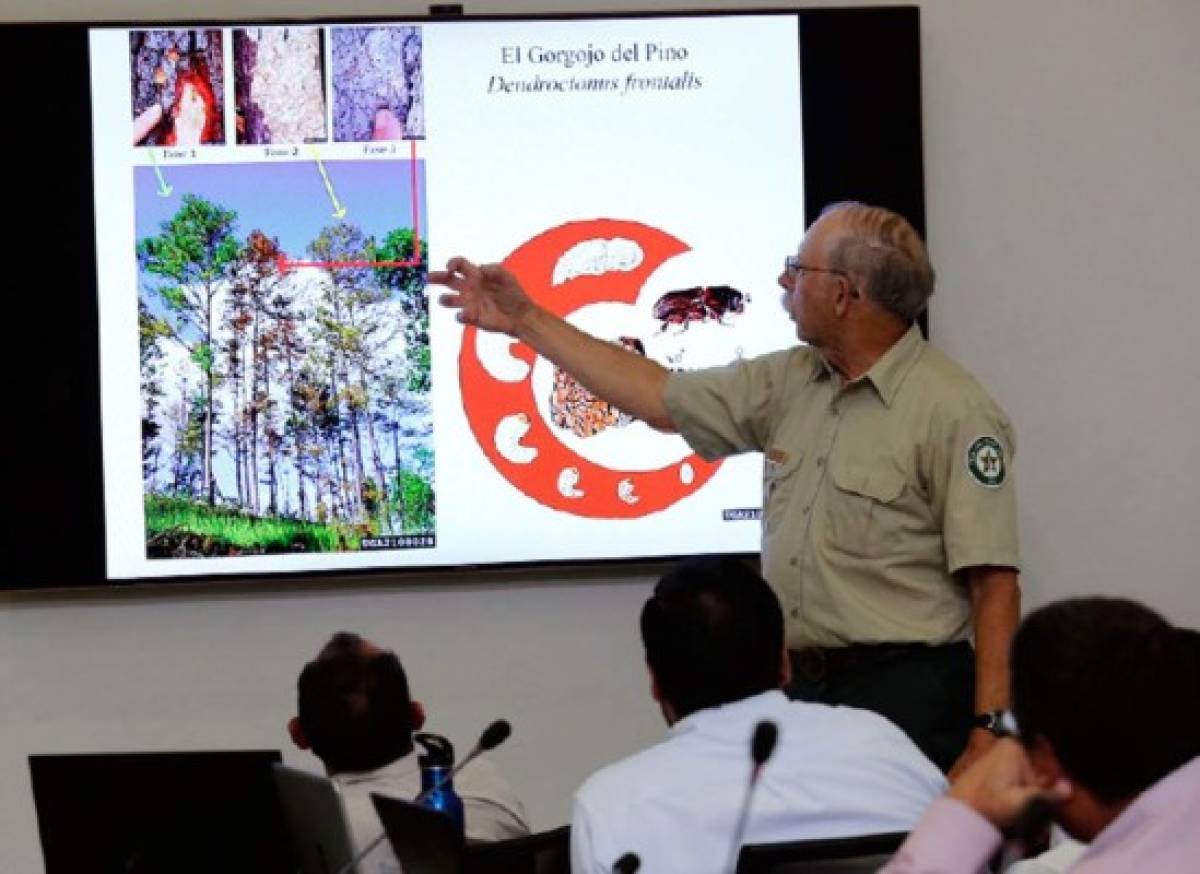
(880, 249)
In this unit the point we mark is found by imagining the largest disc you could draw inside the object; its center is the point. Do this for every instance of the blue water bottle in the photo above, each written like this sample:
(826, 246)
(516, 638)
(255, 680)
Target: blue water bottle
(437, 761)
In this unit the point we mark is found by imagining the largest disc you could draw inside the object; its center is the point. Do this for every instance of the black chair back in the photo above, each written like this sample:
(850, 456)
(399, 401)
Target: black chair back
(547, 852)
(864, 854)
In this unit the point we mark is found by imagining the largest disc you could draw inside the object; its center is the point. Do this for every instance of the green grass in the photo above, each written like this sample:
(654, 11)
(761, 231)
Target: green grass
(224, 529)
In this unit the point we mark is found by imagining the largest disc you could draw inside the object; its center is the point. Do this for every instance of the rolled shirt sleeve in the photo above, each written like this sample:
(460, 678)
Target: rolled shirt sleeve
(973, 488)
(727, 410)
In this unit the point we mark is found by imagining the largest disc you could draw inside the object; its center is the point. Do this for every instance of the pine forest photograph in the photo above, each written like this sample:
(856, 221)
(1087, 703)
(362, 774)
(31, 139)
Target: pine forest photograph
(283, 330)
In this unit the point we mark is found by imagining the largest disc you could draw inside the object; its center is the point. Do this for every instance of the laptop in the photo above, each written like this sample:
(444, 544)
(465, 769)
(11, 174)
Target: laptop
(425, 841)
(160, 813)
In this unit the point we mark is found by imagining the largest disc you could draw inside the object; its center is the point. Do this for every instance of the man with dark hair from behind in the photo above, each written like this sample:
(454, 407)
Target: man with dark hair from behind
(713, 633)
(356, 714)
(1106, 694)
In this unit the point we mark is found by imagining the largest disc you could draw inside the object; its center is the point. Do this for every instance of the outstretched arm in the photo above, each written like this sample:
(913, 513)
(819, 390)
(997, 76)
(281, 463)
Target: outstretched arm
(490, 298)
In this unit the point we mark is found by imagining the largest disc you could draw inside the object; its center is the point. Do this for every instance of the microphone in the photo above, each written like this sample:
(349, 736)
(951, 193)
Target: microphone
(762, 745)
(627, 864)
(766, 735)
(494, 735)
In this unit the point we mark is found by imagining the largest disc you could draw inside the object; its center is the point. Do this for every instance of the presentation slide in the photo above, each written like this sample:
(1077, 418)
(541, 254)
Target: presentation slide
(281, 392)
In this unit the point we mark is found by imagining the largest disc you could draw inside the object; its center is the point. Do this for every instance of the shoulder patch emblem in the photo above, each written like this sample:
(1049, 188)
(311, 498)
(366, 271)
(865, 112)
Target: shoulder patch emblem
(985, 461)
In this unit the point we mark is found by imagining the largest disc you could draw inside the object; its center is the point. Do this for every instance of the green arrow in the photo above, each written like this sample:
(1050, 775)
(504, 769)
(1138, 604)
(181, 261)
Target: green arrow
(164, 190)
(339, 211)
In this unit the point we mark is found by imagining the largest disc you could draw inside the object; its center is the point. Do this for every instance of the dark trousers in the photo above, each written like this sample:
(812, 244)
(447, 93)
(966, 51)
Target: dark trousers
(929, 691)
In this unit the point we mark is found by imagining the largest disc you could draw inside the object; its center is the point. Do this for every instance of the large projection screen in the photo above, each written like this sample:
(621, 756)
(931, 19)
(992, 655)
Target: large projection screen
(277, 394)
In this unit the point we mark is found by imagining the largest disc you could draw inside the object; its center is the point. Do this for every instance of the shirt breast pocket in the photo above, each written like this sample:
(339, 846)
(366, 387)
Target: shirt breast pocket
(864, 510)
(779, 482)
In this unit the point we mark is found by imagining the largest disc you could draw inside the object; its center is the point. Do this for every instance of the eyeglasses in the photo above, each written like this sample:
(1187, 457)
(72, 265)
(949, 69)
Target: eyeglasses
(793, 267)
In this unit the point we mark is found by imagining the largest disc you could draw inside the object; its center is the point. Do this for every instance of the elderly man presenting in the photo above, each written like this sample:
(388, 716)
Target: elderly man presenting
(889, 529)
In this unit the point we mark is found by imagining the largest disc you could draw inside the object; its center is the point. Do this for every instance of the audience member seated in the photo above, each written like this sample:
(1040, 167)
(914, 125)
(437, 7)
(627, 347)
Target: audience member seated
(356, 715)
(713, 633)
(1106, 696)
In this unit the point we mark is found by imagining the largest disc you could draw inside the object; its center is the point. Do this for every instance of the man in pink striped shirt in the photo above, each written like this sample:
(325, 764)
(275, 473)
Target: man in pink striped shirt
(1106, 695)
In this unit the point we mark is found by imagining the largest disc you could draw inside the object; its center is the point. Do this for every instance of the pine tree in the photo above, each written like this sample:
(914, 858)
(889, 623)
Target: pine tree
(194, 256)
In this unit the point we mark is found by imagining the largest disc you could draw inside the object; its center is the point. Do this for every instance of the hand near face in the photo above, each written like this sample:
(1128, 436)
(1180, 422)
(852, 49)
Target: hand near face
(1001, 783)
(978, 743)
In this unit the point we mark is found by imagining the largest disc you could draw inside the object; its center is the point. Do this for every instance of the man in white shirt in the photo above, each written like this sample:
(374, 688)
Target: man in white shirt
(356, 714)
(713, 633)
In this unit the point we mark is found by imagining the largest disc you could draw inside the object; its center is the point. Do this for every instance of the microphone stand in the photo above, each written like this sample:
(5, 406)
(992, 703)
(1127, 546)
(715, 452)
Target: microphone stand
(762, 744)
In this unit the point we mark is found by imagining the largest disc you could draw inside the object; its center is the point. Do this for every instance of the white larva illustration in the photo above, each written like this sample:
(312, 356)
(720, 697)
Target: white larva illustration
(597, 257)
(495, 354)
(625, 492)
(686, 474)
(568, 479)
(508, 436)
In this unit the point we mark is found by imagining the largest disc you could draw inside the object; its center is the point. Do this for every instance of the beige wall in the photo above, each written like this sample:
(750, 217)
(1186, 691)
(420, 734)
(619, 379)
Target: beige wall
(1063, 201)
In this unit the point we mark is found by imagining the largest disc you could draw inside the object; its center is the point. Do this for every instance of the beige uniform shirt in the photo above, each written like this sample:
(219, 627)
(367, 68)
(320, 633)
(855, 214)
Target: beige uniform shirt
(876, 493)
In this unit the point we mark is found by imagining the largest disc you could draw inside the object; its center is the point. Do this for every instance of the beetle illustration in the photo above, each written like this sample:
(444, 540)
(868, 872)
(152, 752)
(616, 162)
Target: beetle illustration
(699, 304)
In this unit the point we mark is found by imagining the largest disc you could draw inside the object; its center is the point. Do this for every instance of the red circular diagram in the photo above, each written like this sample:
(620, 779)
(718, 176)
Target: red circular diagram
(544, 464)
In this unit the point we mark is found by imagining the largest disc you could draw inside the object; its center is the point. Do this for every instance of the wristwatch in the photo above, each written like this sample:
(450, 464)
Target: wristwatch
(991, 721)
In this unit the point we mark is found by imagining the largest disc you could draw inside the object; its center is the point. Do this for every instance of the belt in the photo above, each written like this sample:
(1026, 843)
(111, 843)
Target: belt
(818, 662)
